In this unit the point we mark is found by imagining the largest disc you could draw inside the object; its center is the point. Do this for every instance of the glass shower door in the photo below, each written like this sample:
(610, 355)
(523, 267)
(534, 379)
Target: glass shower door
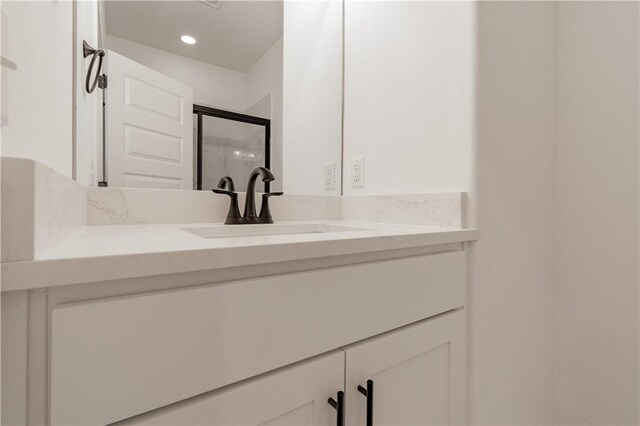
(229, 146)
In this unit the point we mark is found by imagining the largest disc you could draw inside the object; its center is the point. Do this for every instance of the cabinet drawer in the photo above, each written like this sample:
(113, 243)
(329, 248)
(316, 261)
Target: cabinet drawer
(115, 358)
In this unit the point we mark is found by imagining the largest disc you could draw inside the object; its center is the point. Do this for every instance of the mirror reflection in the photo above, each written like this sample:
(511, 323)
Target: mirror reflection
(230, 144)
(199, 90)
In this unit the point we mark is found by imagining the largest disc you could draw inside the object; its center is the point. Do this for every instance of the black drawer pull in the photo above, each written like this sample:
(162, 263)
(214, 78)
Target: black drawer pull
(339, 407)
(368, 392)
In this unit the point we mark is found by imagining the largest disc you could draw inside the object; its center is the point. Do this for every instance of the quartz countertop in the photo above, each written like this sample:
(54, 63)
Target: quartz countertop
(103, 253)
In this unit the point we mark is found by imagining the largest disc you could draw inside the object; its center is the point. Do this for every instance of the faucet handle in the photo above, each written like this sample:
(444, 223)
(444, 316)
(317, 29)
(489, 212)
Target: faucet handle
(265, 213)
(226, 181)
(233, 215)
(225, 192)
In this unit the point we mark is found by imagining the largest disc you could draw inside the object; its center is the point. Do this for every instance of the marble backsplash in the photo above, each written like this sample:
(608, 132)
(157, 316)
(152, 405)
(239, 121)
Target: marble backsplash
(60, 207)
(129, 206)
(439, 209)
(40, 207)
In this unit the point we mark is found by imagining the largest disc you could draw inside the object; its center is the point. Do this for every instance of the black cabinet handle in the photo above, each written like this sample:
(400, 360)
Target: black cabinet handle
(368, 392)
(339, 407)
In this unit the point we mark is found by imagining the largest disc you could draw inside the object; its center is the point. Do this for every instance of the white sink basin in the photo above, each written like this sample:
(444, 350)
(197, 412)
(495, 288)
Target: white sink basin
(231, 231)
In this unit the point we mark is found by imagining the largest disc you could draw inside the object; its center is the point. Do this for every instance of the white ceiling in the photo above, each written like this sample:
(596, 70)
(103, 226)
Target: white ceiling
(232, 36)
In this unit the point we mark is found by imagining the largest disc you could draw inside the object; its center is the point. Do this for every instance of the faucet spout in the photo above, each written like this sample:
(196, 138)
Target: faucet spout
(250, 202)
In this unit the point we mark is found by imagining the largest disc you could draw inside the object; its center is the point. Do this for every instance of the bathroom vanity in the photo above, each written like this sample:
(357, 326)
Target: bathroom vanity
(197, 347)
(205, 323)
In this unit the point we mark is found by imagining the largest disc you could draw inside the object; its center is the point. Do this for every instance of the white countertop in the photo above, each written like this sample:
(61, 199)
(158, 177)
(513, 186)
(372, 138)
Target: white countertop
(102, 253)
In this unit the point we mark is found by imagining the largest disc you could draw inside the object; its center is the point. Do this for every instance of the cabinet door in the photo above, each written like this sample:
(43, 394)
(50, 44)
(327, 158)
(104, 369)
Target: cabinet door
(296, 395)
(418, 374)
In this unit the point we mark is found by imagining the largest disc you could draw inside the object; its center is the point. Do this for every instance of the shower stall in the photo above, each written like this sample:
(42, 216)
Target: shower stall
(230, 144)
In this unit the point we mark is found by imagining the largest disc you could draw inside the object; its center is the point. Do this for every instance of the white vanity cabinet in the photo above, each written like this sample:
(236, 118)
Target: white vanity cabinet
(417, 373)
(201, 349)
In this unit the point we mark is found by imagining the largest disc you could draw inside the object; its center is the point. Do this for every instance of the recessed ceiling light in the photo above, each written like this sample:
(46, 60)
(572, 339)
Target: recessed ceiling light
(187, 39)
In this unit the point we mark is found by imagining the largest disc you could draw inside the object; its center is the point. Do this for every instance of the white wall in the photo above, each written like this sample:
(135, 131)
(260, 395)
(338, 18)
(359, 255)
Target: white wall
(264, 78)
(407, 95)
(597, 295)
(312, 94)
(213, 86)
(512, 266)
(37, 96)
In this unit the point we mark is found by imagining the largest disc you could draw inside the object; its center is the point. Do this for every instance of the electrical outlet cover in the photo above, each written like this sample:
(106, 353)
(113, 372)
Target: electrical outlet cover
(329, 176)
(357, 172)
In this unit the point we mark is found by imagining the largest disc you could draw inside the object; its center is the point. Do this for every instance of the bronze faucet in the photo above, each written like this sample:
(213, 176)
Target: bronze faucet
(249, 216)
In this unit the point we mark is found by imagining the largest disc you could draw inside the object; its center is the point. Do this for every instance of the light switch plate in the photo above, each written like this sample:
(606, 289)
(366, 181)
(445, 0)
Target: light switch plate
(330, 176)
(357, 172)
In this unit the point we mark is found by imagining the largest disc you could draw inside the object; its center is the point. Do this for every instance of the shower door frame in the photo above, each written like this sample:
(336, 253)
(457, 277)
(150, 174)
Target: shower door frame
(201, 110)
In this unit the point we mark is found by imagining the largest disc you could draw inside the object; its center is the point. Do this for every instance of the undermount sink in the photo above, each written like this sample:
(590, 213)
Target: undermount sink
(264, 230)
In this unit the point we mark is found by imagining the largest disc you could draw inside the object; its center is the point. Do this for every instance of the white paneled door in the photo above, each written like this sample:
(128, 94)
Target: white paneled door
(149, 127)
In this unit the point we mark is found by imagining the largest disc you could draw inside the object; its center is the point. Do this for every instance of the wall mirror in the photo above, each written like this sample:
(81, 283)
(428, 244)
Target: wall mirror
(198, 90)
